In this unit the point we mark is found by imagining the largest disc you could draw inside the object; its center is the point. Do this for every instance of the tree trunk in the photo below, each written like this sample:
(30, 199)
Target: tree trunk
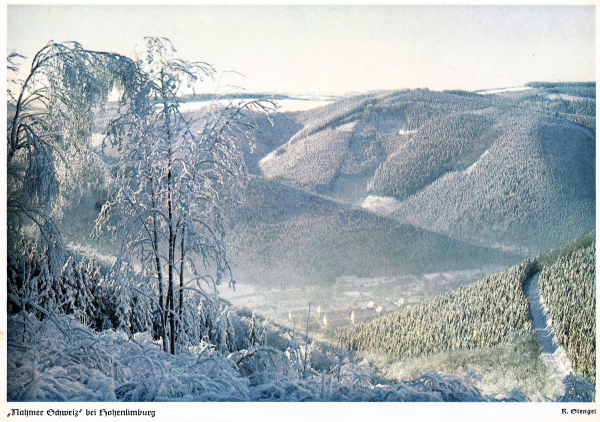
(172, 240)
(181, 267)
(161, 293)
(172, 236)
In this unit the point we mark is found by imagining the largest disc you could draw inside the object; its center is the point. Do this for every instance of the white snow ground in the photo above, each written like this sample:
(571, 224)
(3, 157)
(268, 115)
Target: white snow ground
(472, 166)
(499, 90)
(382, 205)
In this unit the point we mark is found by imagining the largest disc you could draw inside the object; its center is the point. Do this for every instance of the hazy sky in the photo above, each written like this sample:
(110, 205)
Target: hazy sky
(337, 49)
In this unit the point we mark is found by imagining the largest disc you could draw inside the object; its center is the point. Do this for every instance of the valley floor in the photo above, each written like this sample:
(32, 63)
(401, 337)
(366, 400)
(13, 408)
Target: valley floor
(366, 298)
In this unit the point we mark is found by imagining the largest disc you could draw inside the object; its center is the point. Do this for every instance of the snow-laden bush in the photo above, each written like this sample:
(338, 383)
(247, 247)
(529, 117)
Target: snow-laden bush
(56, 360)
(114, 297)
(59, 359)
(577, 389)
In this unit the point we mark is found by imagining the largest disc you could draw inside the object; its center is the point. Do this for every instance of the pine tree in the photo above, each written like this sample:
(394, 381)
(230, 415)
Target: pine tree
(253, 334)
(122, 303)
(141, 311)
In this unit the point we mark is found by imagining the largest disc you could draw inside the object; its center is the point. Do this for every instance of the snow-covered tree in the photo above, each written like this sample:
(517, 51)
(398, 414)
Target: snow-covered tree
(253, 334)
(87, 277)
(141, 308)
(122, 299)
(50, 120)
(175, 180)
(49, 127)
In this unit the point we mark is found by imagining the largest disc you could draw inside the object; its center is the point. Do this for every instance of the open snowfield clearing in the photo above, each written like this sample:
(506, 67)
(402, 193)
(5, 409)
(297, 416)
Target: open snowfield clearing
(558, 364)
(267, 158)
(499, 90)
(552, 353)
(350, 189)
(472, 166)
(382, 205)
(565, 97)
(348, 127)
(301, 105)
(199, 105)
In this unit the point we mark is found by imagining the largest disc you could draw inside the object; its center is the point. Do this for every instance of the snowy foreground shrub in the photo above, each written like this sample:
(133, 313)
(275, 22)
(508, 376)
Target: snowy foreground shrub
(61, 360)
(104, 297)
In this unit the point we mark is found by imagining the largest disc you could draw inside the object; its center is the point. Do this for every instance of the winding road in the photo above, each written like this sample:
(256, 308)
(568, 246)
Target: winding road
(552, 353)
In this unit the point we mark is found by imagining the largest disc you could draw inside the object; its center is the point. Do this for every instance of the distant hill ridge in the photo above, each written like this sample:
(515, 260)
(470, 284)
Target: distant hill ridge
(515, 168)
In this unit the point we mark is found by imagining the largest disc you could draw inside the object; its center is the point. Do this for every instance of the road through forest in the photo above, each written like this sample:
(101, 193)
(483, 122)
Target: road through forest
(552, 353)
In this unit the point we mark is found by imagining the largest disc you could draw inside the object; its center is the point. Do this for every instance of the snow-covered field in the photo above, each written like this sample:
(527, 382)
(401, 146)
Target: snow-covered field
(382, 205)
(564, 97)
(472, 166)
(499, 90)
(267, 158)
(553, 354)
(301, 105)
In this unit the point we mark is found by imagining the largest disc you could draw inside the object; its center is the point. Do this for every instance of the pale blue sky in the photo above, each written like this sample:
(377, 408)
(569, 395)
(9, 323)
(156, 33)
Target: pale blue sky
(338, 49)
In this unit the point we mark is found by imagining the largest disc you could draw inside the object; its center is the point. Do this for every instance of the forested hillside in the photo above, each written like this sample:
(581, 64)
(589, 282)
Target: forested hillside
(568, 286)
(474, 321)
(480, 315)
(282, 235)
(530, 189)
(575, 102)
(513, 169)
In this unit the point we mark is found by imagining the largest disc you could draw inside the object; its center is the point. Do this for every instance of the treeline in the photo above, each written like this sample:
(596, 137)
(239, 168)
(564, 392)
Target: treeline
(234, 96)
(583, 241)
(579, 89)
(568, 286)
(104, 297)
(480, 315)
